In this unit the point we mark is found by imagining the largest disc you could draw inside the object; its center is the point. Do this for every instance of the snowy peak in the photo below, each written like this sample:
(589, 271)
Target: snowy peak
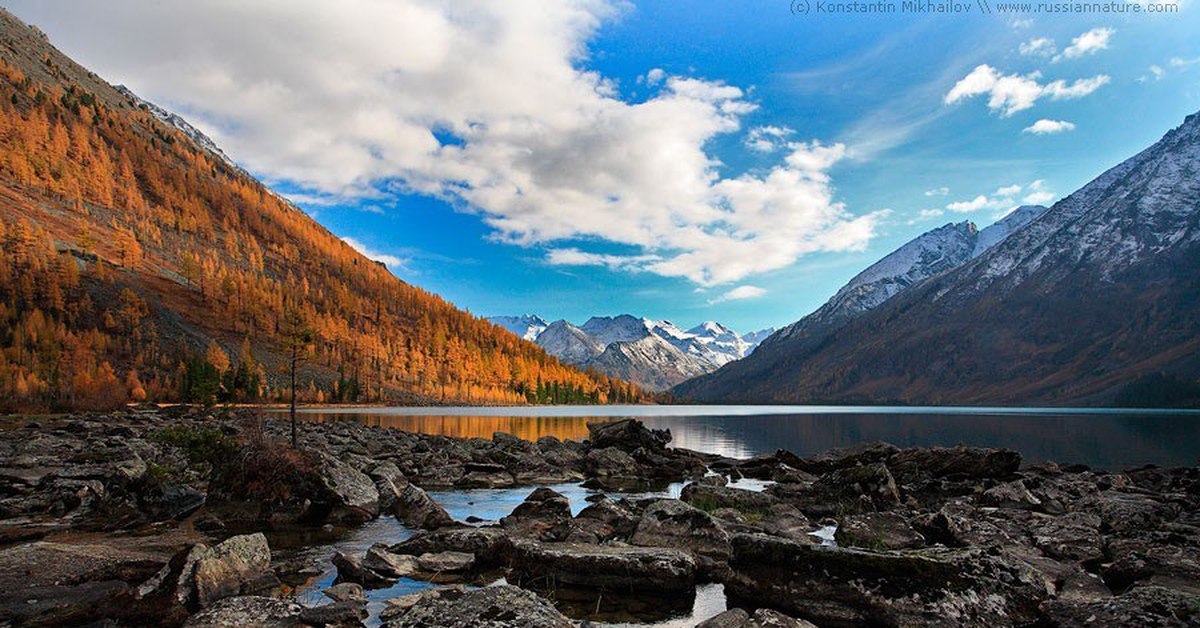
(653, 354)
(624, 328)
(1001, 229)
(525, 326)
(569, 343)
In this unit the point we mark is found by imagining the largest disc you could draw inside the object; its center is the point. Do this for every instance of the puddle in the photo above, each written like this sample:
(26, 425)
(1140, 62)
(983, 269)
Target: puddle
(486, 506)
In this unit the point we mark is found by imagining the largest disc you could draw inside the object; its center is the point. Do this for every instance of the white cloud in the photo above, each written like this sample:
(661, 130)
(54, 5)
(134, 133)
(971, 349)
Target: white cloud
(1009, 190)
(942, 191)
(739, 293)
(1049, 127)
(1004, 199)
(975, 204)
(485, 104)
(1010, 93)
(1039, 194)
(1091, 42)
(766, 139)
(576, 257)
(393, 262)
(1039, 47)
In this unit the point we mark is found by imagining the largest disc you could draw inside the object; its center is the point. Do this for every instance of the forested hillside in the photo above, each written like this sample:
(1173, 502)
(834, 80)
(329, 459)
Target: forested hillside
(136, 265)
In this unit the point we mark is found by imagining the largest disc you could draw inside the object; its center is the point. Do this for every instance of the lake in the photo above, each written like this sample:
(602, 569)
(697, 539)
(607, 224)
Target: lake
(1101, 438)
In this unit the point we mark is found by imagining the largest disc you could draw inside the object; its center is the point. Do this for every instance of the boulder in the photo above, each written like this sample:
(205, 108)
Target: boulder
(443, 562)
(501, 606)
(837, 587)
(603, 521)
(643, 569)
(627, 435)
(952, 463)
(414, 507)
(383, 562)
(346, 592)
(877, 531)
(1010, 495)
(352, 568)
(198, 576)
(839, 458)
(847, 490)
(545, 514)
(709, 497)
(355, 496)
(762, 618)
(256, 611)
(1142, 606)
(488, 545)
(673, 524)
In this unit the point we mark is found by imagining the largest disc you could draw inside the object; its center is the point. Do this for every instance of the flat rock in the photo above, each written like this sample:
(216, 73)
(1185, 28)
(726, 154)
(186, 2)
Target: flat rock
(502, 606)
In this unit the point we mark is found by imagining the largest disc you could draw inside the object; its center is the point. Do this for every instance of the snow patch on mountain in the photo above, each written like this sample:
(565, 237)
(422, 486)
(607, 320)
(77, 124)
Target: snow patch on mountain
(525, 326)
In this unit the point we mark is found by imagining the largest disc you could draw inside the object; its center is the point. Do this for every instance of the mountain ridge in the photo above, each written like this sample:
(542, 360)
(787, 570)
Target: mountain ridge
(1084, 300)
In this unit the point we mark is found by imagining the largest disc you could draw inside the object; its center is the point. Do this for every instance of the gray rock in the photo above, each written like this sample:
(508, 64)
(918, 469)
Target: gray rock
(446, 562)
(877, 531)
(354, 492)
(618, 567)
(627, 435)
(1010, 495)
(415, 508)
(1142, 606)
(846, 587)
(346, 592)
(382, 561)
(673, 524)
(502, 606)
(248, 612)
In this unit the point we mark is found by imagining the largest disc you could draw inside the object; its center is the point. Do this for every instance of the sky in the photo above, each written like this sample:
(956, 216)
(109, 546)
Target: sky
(707, 160)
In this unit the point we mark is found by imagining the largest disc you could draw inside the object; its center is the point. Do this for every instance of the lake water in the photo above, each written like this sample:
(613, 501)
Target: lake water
(1109, 439)
(1102, 438)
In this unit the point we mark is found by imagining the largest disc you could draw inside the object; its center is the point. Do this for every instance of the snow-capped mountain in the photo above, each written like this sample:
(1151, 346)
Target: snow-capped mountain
(526, 326)
(933, 252)
(1070, 306)
(1001, 229)
(654, 354)
(569, 343)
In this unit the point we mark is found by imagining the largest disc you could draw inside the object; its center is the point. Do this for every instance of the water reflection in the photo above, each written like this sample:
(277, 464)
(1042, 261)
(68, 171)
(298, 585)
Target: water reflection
(1101, 438)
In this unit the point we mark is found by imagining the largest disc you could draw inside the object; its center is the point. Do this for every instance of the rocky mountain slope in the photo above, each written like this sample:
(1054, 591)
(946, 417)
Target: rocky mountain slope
(1094, 293)
(653, 354)
(139, 264)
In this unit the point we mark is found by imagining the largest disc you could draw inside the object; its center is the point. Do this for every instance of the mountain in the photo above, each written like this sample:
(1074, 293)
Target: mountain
(569, 343)
(526, 326)
(1001, 229)
(653, 354)
(137, 263)
(1092, 297)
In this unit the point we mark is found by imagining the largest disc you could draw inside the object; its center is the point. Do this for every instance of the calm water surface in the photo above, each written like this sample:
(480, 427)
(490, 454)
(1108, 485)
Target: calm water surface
(1102, 438)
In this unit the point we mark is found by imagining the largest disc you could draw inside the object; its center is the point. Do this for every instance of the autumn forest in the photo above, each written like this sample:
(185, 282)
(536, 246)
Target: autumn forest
(138, 266)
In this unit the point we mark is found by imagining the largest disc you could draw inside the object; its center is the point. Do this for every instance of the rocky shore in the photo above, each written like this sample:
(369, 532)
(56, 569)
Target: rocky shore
(171, 518)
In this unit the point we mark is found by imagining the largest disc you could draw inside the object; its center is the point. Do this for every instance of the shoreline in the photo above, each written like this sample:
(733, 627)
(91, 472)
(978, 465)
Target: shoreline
(127, 491)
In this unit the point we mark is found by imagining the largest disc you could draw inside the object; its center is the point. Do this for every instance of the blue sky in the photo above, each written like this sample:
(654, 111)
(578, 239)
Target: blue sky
(562, 158)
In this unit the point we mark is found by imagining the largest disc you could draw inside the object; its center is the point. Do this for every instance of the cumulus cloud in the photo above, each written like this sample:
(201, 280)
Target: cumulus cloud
(1010, 93)
(487, 105)
(1049, 127)
(1091, 42)
(1004, 199)
(393, 262)
(942, 191)
(739, 293)
(1038, 47)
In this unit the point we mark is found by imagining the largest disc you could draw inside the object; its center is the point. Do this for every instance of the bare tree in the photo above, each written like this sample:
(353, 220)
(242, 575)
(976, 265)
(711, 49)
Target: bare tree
(297, 338)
